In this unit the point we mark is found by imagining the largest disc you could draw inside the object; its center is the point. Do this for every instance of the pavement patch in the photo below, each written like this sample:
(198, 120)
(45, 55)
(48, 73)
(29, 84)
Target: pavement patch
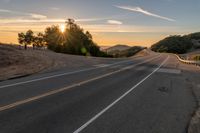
(102, 65)
(116, 66)
(171, 71)
(198, 86)
(163, 89)
(161, 70)
(142, 68)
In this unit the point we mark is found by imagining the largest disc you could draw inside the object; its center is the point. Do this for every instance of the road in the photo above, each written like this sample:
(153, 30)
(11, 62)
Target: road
(142, 95)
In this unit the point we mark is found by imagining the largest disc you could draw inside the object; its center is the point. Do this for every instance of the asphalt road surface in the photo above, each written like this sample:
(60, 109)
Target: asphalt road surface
(139, 95)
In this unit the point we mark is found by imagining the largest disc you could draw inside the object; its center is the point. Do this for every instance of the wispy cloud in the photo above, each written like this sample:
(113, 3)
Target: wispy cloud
(18, 21)
(107, 28)
(115, 22)
(6, 11)
(43, 19)
(31, 15)
(55, 8)
(140, 10)
(94, 28)
(37, 16)
(21, 17)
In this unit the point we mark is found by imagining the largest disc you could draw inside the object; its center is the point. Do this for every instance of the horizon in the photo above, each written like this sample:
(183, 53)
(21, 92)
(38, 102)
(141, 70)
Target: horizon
(138, 22)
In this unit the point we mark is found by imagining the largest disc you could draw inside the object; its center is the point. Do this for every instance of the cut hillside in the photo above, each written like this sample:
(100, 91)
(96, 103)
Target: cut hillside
(17, 62)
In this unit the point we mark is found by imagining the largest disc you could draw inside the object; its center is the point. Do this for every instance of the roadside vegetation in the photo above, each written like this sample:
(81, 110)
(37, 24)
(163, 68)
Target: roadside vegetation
(70, 40)
(178, 44)
(197, 58)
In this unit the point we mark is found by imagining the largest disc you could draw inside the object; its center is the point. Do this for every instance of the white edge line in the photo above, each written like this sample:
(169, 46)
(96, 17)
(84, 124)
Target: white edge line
(5, 107)
(63, 74)
(116, 101)
(43, 78)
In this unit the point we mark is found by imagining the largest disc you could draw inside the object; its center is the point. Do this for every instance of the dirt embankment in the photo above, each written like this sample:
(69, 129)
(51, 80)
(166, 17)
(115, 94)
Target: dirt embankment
(194, 126)
(16, 62)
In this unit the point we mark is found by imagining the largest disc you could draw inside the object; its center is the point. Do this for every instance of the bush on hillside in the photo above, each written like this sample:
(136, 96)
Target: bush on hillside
(173, 44)
(197, 58)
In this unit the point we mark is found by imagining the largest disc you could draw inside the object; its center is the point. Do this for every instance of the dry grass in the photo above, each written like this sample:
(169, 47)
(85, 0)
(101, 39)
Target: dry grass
(15, 62)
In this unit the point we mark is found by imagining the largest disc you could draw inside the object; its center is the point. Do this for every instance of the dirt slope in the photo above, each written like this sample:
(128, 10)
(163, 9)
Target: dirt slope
(15, 61)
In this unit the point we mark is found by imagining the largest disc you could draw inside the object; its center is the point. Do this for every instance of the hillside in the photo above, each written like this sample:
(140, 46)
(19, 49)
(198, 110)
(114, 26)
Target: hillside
(17, 62)
(124, 51)
(178, 44)
(118, 47)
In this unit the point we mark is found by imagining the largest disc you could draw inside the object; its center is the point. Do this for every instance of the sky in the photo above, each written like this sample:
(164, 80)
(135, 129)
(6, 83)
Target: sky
(131, 22)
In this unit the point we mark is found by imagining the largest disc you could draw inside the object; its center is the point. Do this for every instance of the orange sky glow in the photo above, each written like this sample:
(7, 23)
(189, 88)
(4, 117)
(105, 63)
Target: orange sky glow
(110, 22)
(103, 35)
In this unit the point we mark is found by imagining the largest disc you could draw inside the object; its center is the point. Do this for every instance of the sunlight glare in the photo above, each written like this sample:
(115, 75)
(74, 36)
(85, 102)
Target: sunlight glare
(62, 28)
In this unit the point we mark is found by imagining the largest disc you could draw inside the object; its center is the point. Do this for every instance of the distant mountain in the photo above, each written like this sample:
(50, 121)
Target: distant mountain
(119, 50)
(103, 48)
(178, 44)
(129, 52)
(118, 47)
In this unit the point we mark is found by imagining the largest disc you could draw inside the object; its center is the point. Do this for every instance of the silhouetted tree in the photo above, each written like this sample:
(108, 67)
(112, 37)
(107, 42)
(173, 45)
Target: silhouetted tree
(26, 39)
(38, 40)
(21, 39)
(70, 23)
(73, 41)
(89, 36)
(53, 38)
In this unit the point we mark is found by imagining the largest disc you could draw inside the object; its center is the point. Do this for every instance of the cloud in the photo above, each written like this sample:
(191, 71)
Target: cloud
(107, 28)
(140, 10)
(89, 19)
(38, 16)
(115, 22)
(31, 15)
(5, 11)
(42, 19)
(55, 8)
(18, 21)
(95, 28)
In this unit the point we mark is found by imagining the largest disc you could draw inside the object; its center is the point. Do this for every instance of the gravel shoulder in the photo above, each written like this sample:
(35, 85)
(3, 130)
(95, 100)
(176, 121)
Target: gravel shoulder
(193, 77)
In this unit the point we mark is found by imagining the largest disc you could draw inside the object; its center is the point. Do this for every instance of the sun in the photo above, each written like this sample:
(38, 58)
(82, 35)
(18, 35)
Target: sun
(62, 28)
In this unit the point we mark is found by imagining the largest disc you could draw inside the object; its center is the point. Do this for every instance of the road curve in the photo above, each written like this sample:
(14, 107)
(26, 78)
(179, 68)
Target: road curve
(140, 95)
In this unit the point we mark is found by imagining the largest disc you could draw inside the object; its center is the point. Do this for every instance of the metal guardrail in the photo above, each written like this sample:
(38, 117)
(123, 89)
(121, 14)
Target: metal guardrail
(197, 63)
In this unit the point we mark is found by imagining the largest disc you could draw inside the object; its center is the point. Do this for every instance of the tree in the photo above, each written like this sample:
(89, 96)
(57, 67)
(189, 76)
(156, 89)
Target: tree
(38, 40)
(70, 23)
(21, 39)
(29, 37)
(53, 38)
(72, 41)
(26, 39)
(89, 36)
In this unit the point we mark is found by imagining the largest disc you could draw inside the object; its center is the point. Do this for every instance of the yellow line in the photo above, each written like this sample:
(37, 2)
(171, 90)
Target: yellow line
(9, 106)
